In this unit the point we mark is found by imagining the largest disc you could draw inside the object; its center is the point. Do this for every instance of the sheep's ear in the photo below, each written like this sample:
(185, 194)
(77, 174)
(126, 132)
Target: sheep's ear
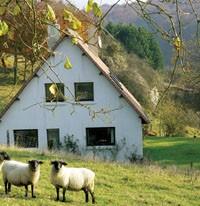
(52, 162)
(40, 162)
(6, 156)
(63, 163)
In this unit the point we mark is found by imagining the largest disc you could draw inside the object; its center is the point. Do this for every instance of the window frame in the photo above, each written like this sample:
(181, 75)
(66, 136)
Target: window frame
(110, 144)
(36, 142)
(48, 130)
(48, 94)
(76, 84)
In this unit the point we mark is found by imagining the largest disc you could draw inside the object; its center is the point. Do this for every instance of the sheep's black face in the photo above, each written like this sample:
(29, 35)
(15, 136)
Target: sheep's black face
(4, 156)
(58, 164)
(33, 164)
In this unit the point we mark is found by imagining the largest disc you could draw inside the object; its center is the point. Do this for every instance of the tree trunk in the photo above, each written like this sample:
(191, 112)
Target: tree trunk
(3, 64)
(25, 67)
(15, 68)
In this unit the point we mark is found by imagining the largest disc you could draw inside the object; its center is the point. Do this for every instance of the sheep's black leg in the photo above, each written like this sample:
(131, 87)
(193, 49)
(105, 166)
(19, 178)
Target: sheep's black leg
(6, 184)
(93, 198)
(86, 195)
(32, 191)
(64, 191)
(57, 193)
(9, 187)
(26, 190)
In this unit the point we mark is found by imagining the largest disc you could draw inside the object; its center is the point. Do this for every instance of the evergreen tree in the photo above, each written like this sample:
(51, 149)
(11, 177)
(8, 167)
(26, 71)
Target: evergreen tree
(139, 41)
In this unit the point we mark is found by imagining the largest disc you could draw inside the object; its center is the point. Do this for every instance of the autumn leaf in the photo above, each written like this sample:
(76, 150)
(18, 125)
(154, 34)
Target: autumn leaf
(50, 14)
(74, 40)
(89, 6)
(53, 89)
(67, 15)
(16, 11)
(67, 64)
(3, 28)
(75, 24)
(97, 10)
(11, 35)
(2, 10)
(177, 43)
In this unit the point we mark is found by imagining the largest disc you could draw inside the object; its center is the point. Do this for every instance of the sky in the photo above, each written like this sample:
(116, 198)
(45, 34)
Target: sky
(81, 3)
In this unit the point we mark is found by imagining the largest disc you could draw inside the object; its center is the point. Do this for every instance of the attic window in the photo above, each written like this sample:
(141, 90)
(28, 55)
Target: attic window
(84, 91)
(54, 92)
(26, 138)
(100, 136)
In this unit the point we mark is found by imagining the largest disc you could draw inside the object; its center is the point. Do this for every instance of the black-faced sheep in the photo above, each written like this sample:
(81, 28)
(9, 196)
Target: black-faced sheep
(74, 179)
(21, 174)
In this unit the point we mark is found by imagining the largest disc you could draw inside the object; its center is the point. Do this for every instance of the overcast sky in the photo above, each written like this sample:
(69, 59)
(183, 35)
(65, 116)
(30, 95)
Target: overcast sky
(81, 3)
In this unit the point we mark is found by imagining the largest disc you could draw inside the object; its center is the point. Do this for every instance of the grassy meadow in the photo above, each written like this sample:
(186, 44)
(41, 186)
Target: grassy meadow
(116, 184)
(179, 151)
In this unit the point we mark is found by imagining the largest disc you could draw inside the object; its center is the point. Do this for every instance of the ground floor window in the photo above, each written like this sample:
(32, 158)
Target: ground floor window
(100, 136)
(26, 138)
(53, 138)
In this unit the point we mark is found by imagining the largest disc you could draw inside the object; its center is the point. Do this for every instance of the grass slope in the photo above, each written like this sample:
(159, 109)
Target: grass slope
(180, 151)
(116, 184)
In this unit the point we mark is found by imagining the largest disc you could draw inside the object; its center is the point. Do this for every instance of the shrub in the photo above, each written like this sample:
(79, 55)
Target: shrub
(172, 119)
(70, 144)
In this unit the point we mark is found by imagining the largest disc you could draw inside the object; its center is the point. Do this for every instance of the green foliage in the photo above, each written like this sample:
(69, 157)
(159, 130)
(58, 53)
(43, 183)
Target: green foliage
(138, 41)
(179, 151)
(70, 144)
(172, 119)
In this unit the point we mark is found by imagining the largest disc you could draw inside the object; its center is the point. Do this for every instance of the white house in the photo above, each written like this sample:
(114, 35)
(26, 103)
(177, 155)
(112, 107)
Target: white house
(90, 104)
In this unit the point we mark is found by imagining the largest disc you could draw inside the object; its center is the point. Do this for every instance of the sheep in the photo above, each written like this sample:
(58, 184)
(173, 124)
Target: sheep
(21, 174)
(74, 179)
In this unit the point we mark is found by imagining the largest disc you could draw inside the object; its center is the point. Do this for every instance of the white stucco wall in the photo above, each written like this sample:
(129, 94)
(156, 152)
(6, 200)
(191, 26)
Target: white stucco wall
(32, 112)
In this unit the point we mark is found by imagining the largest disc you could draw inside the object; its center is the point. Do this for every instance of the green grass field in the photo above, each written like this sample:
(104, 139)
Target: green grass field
(179, 151)
(117, 184)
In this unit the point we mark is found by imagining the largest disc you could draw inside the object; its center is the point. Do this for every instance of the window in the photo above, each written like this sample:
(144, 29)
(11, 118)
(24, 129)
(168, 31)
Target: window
(26, 138)
(53, 138)
(54, 92)
(100, 136)
(84, 91)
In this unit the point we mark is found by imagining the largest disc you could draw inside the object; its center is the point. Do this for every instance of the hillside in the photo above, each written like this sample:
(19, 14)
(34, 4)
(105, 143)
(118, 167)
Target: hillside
(125, 14)
(137, 75)
(116, 184)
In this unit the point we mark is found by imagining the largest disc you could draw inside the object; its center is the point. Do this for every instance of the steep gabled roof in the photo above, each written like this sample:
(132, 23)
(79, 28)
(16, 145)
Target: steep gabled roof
(104, 71)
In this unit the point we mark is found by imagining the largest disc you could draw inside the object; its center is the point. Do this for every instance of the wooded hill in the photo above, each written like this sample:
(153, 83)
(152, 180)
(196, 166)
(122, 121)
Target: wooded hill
(126, 15)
